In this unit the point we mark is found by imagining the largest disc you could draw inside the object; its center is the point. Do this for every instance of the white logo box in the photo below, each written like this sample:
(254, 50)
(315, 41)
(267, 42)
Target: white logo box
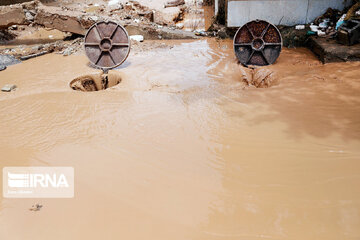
(38, 182)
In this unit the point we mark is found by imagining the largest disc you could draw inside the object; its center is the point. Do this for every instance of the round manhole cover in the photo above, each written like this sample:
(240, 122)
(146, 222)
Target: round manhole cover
(257, 43)
(107, 44)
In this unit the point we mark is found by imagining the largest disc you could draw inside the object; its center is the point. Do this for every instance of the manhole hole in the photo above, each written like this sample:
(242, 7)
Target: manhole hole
(95, 82)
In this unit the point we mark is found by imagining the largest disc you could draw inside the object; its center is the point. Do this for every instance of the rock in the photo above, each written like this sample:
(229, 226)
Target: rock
(7, 60)
(138, 38)
(2, 68)
(13, 27)
(29, 16)
(8, 87)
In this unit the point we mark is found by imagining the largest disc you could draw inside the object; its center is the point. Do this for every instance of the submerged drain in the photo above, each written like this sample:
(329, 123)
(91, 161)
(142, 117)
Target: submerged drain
(95, 82)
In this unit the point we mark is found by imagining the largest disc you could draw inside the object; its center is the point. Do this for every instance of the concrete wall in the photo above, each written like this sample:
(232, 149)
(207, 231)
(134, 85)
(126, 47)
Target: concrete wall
(285, 12)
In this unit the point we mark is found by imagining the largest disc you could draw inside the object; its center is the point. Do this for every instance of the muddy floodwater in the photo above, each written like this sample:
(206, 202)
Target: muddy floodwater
(184, 149)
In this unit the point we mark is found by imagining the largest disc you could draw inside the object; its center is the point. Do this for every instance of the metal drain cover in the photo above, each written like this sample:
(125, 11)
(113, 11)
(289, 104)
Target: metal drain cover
(257, 43)
(107, 44)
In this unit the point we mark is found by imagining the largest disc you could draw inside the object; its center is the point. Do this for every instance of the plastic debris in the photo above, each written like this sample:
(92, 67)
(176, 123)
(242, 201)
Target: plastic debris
(340, 21)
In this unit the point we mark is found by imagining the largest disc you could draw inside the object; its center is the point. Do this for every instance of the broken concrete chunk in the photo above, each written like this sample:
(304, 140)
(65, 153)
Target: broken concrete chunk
(138, 38)
(11, 15)
(8, 87)
(70, 21)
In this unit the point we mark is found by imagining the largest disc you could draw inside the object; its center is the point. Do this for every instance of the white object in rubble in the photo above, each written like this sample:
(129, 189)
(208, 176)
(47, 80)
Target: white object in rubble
(300, 27)
(358, 13)
(314, 28)
(113, 2)
(8, 87)
(321, 33)
(139, 38)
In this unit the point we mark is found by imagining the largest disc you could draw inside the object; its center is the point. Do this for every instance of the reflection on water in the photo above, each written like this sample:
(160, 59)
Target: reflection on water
(183, 149)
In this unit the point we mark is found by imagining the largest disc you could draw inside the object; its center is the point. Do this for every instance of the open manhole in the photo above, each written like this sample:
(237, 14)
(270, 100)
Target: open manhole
(95, 82)
(107, 45)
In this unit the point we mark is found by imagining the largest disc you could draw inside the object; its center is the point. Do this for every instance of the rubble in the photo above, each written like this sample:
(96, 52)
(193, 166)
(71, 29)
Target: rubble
(12, 15)
(174, 3)
(7, 60)
(68, 21)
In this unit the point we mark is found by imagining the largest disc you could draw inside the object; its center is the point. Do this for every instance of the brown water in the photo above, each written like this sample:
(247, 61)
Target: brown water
(183, 149)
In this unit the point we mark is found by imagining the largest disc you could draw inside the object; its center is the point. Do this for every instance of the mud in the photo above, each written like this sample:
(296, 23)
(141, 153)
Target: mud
(183, 148)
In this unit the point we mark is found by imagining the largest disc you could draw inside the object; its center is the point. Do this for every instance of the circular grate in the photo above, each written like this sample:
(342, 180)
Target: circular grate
(107, 44)
(257, 43)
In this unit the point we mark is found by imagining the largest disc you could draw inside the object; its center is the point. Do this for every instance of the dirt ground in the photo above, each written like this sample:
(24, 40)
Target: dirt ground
(184, 148)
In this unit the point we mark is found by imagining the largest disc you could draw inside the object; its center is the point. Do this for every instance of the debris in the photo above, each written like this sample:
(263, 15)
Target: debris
(2, 68)
(29, 16)
(36, 207)
(349, 32)
(179, 25)
(7, 60)
(320, 33)
(314, 28)
(351, 14)
(174, 3)
(138, 38)
(300, 27)
(8, 87)
(23, 58)
(340, 21)
(68, 51)
(67, 21)
(222, 33)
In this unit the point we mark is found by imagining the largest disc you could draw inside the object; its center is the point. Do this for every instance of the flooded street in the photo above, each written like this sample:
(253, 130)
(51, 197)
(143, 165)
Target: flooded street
(183, 149)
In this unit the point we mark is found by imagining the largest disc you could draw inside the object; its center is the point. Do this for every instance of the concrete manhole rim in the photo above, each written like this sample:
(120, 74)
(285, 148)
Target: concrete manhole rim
(128, 44)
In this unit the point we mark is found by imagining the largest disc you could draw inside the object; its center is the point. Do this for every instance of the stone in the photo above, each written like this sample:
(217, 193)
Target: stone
(2, 68)
(29, 16)
(8, 87)
(7, 60)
